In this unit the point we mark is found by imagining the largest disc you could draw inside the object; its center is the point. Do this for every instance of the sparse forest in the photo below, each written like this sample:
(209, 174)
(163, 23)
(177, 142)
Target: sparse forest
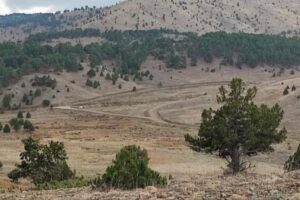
(131, 48)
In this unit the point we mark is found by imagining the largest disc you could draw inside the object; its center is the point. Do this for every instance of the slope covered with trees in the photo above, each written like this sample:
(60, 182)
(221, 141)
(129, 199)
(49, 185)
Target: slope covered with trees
(131, 48)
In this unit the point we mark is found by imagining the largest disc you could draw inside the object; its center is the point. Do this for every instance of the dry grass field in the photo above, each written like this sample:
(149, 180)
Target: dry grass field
(95, 124)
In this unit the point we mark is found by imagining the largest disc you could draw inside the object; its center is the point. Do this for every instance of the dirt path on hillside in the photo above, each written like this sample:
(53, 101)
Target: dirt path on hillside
(151, 114)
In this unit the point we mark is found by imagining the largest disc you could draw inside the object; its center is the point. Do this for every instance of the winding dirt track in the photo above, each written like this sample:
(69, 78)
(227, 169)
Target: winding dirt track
(152, 114)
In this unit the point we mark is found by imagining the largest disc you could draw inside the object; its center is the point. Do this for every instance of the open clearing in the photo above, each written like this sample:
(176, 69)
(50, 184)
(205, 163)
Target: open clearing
(156, 118)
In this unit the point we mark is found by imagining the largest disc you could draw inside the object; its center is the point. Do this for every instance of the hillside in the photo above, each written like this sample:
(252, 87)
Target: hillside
(202, 16)
(141, 73)
(198, 16)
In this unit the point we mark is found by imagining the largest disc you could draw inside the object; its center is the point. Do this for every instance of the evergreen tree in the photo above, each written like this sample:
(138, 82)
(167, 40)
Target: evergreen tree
(130, 170)
(20, 115)
(6, 129)
(108, 76)
(286, 91)
(42, 163)
(91, 73)
(16, 124)
(89, 83)
(239, 127)
(28, 115)
(28, 126)
(6, 101)
(293, 163)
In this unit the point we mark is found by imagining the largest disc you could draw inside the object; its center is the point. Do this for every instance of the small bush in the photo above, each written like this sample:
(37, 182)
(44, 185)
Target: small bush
(28, 115)
(37, 93)
(108, 76)
(71, 183)
(286, 91)
(6, 129)
(20, 115)
(130, 170)
(16, 124)
(293, 163)
(91, 73)
(28, 126)
(46, 103)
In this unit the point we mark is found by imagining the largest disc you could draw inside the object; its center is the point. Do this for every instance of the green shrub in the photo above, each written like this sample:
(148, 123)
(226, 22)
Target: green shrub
(20, 115)
(286, 91)
(44, 81)
(28, 126)
(42, 163)
(6, 101)
(130, 170)
(91, 73)
(28, 115)
(293, 163)
(6, 129)
(46, 103)
(71, 183)
(37, 93)
(16, 123)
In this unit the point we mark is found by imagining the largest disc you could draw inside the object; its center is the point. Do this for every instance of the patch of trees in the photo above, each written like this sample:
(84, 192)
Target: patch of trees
(129, 49)
(46, 81)
(17, 60)
(246, 49)
(94, 84)
(18, 123)
(40, 19)
(46, 166)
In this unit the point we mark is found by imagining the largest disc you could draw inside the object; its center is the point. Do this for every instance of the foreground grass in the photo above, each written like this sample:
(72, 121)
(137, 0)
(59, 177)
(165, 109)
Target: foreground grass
(71, 183)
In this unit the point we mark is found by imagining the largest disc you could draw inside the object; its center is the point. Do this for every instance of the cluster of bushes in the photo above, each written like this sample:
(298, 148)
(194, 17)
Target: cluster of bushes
(287, 88)
(46, 166)
(46, 81)
(18, 123)
(95, 84)
(28, 99)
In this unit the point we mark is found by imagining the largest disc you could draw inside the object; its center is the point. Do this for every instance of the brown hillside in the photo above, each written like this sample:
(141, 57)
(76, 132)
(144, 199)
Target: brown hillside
(199, 16)
(202, 16)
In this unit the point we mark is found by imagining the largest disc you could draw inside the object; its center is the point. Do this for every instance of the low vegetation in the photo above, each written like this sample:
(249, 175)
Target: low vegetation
(69, 183)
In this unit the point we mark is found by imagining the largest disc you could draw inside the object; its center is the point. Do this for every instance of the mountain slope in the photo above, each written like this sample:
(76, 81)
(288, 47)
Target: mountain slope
(198, 16)
(202, 16)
